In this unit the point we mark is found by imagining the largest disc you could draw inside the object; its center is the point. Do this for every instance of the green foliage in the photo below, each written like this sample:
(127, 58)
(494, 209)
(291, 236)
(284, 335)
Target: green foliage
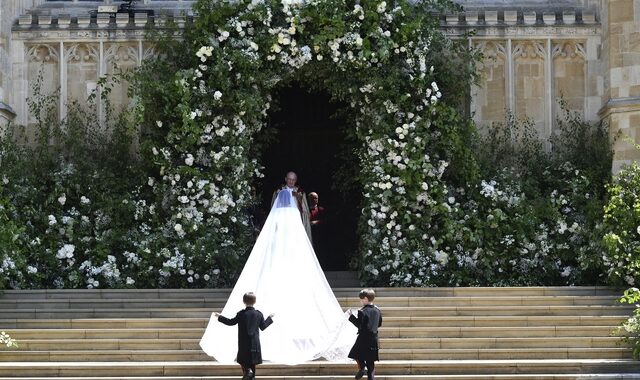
(379, 59)
(630, 329)
(159, 197)
(535, 216)
(622, 227)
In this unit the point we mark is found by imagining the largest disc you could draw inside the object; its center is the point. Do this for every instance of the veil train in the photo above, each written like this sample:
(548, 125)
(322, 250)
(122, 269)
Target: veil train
(284, 273)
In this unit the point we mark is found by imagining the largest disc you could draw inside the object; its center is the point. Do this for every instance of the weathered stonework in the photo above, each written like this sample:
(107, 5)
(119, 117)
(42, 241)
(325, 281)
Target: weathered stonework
(9, 11)
(536, 51)
(621, 100)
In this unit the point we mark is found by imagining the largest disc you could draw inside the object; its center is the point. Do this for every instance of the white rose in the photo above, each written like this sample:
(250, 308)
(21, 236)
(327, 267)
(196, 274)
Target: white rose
(217, 95)
(84, 200)
(178, 227)
(62, 199)
(189, 160)
(130, 281)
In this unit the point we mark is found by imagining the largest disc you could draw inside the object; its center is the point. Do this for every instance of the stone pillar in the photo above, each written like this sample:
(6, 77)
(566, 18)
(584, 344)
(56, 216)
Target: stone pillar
(9, 11)
(621, 49)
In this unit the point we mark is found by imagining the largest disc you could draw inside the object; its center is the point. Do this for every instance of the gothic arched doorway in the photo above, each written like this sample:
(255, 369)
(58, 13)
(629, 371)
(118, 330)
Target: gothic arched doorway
(309, 140)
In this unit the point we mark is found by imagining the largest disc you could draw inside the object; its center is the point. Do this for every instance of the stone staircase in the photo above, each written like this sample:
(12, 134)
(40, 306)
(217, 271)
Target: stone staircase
(432, 333)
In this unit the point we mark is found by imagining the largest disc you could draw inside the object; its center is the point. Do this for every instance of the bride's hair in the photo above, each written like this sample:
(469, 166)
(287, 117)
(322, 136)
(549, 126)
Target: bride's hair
(249, 299)
(369, 294)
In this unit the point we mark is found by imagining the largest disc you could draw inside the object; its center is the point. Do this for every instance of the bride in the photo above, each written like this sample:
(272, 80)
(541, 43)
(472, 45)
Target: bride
(284, 272)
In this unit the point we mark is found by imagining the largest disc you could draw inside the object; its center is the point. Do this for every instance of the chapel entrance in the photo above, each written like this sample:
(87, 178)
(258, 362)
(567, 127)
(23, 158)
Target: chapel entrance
(310, 140)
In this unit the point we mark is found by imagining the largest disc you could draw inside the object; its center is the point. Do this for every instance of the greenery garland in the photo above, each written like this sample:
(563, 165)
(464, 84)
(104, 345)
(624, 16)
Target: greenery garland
(375, 57)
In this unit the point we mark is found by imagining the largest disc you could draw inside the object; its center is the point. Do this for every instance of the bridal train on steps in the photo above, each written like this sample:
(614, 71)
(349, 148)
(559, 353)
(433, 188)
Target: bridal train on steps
(284, 273)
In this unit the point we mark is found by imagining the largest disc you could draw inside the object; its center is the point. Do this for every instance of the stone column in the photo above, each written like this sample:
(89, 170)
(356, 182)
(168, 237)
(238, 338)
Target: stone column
(9, 11)
(621, 49)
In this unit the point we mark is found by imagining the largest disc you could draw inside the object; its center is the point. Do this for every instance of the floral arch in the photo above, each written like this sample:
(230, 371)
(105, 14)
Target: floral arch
(382, 59)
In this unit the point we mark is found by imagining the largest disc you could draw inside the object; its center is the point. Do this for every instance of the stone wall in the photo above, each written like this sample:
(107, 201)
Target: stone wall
(535, 52)
(622, 85)
(535, 55)
(9, 11)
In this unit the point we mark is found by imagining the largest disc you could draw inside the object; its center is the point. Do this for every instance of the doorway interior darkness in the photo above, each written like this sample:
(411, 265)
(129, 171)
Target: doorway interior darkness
(308, 140)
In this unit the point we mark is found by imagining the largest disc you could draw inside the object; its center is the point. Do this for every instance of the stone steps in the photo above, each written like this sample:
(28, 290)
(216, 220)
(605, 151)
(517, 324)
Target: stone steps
(384, 332)
(404, 302)
(462, 321)
(339, 292)
(118, 354)
(452, 333)
(446, 311)
(388, 343)
(397, 368)
(613, 376)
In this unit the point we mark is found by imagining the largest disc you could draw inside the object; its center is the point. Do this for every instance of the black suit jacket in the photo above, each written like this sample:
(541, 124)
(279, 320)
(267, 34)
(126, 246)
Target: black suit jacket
(250, 321)
(368, 321)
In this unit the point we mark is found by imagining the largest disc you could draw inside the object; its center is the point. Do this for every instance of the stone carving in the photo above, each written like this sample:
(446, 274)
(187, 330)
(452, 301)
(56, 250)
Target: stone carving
(121, 53)
(570, 49)
(528, 49)
(42, 53)
(150, 52)
(82, 53)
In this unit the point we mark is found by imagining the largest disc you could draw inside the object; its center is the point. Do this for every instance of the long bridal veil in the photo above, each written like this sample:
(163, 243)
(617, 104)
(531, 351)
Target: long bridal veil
(284, 272)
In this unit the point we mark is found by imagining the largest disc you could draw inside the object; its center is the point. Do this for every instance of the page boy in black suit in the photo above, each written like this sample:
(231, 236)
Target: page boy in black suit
(365, 350)
(250, 321)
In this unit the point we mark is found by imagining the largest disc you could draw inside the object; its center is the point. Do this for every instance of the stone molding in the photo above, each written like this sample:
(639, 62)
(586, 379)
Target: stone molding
(6, 112)
(508, 22)
(620, 105)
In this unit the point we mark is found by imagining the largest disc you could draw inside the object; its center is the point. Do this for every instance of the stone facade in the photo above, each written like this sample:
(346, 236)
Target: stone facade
(535, 52)
(9, 10)
(621, 58)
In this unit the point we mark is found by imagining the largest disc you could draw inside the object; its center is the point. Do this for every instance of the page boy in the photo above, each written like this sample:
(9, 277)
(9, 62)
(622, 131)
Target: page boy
(365, 350)
(250, 321)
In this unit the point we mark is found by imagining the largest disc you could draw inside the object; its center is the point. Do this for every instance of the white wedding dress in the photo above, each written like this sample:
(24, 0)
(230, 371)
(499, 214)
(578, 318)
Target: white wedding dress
(284, 273)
